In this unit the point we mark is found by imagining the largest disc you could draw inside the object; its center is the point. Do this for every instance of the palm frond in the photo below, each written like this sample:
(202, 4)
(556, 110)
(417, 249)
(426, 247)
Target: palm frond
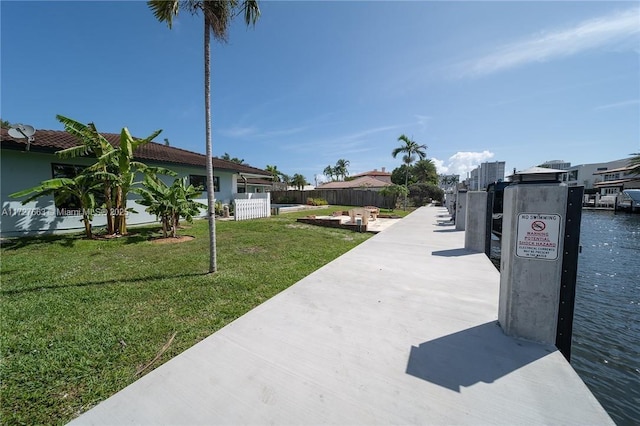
(164, 10)
(74, 151)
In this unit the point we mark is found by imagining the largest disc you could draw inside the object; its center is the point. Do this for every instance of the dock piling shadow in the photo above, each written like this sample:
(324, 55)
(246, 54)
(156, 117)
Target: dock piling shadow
(478, 354)
(453, 252)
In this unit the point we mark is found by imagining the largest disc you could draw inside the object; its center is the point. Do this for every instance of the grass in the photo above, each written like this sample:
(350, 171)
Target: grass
(79, 318)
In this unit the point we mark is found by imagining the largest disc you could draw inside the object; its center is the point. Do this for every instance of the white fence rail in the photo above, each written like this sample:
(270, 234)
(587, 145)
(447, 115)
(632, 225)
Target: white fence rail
(252, 206)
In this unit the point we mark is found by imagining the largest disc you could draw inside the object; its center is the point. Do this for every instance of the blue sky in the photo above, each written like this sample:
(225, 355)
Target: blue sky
(313, 82)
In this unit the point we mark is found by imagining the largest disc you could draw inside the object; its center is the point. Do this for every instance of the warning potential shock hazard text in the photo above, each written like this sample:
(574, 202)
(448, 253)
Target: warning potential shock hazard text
(538, 235)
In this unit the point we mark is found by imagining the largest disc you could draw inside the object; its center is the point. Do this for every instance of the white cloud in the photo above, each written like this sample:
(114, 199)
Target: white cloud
(239, 132)
(440, 167)
(618, 104)
(422, 120)
(611, 29)
(462, 162)
(255, 133)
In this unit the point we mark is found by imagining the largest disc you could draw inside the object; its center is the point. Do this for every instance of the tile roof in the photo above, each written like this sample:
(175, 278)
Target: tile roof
(51, 141)
(374, 173)
(361, 182)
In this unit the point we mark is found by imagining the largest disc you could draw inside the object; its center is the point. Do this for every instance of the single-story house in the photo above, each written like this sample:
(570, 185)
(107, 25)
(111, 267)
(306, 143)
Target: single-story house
(382, 175)
(25, 165)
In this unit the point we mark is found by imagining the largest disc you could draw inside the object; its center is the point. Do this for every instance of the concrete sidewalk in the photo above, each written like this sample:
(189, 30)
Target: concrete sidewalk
(400, 330)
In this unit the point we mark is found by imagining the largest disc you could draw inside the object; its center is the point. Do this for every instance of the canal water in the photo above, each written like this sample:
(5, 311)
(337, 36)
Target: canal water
(606, 327)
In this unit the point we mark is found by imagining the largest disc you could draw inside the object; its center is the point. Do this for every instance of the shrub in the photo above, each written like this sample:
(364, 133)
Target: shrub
(316, 202)
(423, 193)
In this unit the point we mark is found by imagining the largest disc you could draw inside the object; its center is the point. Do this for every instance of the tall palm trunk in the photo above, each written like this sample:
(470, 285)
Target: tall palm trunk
(213, 262)
(406, 185)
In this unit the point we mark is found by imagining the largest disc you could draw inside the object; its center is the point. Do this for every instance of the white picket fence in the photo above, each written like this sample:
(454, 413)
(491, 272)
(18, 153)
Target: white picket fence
(252, 206)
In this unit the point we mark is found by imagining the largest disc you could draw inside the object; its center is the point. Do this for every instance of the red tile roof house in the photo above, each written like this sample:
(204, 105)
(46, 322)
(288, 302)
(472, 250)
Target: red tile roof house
(373, 180)
(22, 168)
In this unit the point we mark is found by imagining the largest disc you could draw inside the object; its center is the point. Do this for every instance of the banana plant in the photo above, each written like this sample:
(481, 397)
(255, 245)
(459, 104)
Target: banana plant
(122, 159)
(92, 143)
(169, 203)
(83, 187)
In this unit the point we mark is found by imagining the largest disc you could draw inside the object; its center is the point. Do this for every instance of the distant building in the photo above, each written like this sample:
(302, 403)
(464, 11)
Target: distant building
(383, 175)
(585, 174)
(614, 181)
(474, 177)
(556, 164)
(486, 173)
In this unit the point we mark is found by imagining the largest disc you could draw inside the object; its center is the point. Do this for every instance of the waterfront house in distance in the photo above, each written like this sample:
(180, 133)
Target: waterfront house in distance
(614, 181)
(25, 166)
(584, 174)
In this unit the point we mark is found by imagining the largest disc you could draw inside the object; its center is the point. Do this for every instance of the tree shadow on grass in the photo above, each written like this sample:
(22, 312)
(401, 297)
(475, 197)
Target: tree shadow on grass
(103, 282)
(478, 354)
(135, 236)
(22, 242)
(143, 234)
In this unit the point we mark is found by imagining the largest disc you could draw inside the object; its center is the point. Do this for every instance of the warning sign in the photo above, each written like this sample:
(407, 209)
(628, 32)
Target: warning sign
(538, 235)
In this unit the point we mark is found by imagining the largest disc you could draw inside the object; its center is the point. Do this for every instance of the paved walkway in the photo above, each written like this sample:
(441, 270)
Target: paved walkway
(400, 330)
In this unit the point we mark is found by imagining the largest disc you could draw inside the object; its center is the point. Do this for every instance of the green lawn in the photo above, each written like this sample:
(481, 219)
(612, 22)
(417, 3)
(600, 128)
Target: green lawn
(79, 318)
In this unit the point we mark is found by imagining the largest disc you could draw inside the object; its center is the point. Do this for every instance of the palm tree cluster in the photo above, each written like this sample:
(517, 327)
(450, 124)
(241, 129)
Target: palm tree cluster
(299, 181)
(111, 178)
(339, 171)
(217, 16)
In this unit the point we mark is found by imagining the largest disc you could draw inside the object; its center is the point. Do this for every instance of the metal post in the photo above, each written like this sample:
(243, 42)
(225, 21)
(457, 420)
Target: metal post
(571, 248)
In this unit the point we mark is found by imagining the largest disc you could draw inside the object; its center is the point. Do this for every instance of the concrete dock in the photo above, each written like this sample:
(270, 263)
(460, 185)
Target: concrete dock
(400, 330)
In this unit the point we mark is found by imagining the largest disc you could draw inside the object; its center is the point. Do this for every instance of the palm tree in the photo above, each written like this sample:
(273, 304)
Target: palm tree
(286, 179)
(275, 173)
(298, 181)
(236, 160)
(329, 172)
(341, 168)
(425, 171)
(410, 149)
(217, 15)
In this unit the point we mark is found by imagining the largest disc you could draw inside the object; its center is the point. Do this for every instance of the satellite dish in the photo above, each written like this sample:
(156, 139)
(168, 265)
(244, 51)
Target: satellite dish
(20, 131)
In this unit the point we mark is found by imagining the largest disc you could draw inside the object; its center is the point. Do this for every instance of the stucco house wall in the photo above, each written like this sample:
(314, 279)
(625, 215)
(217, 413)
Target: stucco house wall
(21, 169)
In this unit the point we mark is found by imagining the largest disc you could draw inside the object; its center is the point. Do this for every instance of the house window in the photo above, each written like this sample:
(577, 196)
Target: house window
(66, 205)
(70, 205)
(611, 176)
(201, 181)
(241, 190)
